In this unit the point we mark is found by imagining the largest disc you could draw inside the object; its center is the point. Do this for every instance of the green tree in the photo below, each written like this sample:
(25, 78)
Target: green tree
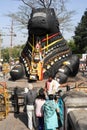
(5, 54)
(72, 46)
(15, 52)
(80, 37)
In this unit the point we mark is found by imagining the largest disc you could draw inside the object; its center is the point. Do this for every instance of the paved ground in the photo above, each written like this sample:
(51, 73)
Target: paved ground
(14, 122)
(19, 122)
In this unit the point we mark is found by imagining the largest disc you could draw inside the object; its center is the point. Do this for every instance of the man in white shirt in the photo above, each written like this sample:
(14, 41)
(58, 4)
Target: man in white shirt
(51, 86)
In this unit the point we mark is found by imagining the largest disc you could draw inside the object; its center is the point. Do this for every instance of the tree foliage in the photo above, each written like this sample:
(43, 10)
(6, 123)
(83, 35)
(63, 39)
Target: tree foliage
(81, 34)
(5, 54)
(72, 46)
(11, 52)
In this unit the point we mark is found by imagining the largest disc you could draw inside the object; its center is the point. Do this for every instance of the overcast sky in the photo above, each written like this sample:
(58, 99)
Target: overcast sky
(7, 6)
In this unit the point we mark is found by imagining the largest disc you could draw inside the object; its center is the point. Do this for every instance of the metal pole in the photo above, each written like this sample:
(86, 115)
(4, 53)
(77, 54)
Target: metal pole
(11, 43)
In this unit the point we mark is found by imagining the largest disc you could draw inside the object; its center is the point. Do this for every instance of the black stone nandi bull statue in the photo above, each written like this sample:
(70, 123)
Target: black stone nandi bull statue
(46, 52)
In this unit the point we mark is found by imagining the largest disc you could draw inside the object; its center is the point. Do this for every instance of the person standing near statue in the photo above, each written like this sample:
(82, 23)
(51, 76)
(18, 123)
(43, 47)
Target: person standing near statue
(29, 101)
(51, 86)
(39, 101)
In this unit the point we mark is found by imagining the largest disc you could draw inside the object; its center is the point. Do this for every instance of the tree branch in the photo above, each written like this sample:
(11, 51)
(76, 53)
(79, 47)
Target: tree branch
(28, 4)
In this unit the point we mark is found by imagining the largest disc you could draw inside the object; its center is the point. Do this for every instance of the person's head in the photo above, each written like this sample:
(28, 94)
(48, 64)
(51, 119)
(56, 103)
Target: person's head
(41, 94)
(51, 97)
(50, 78)
(41, 91)
(31, 87)
(59, 92)
(56, 97)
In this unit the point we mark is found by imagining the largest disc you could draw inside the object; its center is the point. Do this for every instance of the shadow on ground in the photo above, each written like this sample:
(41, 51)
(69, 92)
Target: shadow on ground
(22, 117)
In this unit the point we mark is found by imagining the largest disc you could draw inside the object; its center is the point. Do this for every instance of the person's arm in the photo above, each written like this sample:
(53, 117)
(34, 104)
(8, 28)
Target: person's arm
(45, 88)
(57, 110)
(63, 85)
(25, 99)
